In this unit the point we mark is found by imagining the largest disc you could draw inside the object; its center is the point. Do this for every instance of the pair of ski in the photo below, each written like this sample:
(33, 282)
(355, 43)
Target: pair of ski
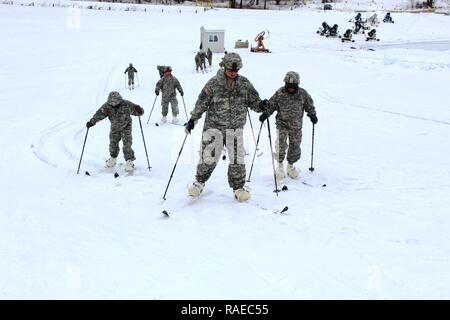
(286, 208)
(115, 170)
(370, 49)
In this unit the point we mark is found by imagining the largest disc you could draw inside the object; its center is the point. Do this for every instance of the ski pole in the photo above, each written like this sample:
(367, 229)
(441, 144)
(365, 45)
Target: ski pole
(271, 152)
(251, 126)
(312, 150)
(171, 175)
(82, 151)
(187, 119)
(156, 97)
(145, 147)
(254, 154)
(137, 78)
(125, 80)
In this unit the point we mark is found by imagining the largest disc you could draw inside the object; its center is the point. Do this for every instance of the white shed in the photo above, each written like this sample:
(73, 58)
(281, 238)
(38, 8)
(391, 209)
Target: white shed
(213, 39)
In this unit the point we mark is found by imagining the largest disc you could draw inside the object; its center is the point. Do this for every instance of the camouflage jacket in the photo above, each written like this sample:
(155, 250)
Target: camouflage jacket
(167, 85)
(226, 108)
(118, 115)
(131, 71)
(290, 108)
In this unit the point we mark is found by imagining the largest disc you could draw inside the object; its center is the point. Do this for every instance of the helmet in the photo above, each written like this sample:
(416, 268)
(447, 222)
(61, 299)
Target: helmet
(292, 77)
(168, 68)
(232, 61)
(114, 98)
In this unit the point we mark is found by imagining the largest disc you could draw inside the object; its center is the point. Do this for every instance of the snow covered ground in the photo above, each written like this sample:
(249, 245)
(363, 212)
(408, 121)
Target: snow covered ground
(378, 229)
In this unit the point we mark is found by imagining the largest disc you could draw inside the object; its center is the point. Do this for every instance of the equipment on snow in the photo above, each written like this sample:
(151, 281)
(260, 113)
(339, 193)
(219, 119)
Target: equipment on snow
(82, 150)
(256, 148)
(251, 126)
(151, 111)
(184, 105)
(285, 188)
(116, 175)
(259, 39)
(271, 152)
(372, 35)
(312, 150)
(347, 36)
(145, 146)
(333, 32)
(171, 175)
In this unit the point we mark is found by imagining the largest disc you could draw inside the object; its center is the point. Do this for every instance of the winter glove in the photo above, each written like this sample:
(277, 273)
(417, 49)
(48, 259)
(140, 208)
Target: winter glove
(89, 124)
(189, 126)
(313, 118)
(263, 117)
(264, 104)
(157, 92)
(182, 93)
(139, 110)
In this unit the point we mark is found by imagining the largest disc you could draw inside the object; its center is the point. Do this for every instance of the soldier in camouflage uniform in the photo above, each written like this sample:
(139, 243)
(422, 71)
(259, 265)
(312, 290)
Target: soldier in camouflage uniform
(290, 102)
(209, 56)
(167, 84)
(131, 71)
(225, 98)
(118, 112)
(200, 61)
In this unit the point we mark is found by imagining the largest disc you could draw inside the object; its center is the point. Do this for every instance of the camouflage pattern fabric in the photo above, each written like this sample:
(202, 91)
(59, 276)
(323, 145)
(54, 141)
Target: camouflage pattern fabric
(209, 56)
(200, 60)
(289, 120)
(212, 145)
(121, 126)
(131, 71)
(161, 70)
(168, 86)
(226, 104)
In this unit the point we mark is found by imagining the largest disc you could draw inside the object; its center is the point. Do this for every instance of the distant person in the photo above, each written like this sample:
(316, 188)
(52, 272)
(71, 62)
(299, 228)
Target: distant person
(200, 61)
(290, 102)
(131, 71)
(209, 56)
(118, 112)
(168, 85)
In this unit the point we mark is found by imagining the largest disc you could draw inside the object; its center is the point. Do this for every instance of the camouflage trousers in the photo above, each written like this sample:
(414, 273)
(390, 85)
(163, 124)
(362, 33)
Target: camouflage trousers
(165, 106)
(114, 138)
(293, 149)
(131, 80)
(198, 65)
(213, 142)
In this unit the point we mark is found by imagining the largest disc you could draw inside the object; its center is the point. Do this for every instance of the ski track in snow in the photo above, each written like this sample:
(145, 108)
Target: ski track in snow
(330, 98)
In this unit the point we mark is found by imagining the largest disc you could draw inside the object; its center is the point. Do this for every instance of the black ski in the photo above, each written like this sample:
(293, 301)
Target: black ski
(174, 124)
